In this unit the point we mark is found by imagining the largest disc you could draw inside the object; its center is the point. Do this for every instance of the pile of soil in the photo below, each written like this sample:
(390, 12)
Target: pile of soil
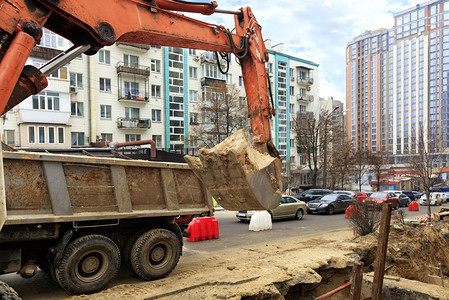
(409, 250)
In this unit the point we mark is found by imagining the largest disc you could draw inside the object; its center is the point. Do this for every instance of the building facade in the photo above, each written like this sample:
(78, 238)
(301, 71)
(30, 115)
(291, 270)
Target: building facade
(397, 82)
(128, 92)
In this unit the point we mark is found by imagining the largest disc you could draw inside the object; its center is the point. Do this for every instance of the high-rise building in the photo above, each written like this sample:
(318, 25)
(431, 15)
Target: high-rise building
(397, 82)
(128, 92)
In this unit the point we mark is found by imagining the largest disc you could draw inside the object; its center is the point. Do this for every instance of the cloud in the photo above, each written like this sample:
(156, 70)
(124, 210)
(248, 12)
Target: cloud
(319, 30)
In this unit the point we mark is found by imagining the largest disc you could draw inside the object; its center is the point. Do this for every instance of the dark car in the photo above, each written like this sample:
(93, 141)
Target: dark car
(312, 194)
(410, 194)
(330, 204)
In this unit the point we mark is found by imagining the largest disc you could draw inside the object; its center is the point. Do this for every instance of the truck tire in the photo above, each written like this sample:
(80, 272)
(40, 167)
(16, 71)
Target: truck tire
(155, 254)
(126, 251)
(88, 265)
(7, 292)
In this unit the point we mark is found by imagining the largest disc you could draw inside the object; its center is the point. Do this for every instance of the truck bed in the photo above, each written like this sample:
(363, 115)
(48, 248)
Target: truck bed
(48, 188)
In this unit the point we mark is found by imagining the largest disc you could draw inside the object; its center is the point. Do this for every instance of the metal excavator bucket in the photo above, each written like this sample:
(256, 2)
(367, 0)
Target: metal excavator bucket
(238, 176)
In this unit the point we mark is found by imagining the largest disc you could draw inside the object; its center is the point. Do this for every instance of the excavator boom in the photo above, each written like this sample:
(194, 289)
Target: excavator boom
(237, 181)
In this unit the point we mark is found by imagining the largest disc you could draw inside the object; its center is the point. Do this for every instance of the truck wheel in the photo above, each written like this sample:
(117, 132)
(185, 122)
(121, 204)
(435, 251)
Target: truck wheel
(7, 292)
(88, 264)
(126, 251)
(155, 254)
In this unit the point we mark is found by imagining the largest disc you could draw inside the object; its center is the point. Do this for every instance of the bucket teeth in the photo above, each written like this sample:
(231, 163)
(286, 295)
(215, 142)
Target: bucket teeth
(238, 176)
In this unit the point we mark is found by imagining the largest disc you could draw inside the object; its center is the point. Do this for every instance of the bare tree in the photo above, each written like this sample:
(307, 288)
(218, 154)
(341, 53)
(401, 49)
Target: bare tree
(424, 162)
(340, 164)
(378, 161)
(307, 132)
(361, 161)
(221, 112)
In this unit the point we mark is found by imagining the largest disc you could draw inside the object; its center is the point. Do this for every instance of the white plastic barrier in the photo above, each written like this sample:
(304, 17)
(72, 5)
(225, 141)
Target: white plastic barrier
(261, 220)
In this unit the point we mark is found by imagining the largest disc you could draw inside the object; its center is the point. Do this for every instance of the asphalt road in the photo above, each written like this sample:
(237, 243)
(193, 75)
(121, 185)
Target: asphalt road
(233, 233)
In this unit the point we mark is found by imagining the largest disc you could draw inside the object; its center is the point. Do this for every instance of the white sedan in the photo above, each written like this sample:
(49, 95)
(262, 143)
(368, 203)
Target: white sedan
(435, 199)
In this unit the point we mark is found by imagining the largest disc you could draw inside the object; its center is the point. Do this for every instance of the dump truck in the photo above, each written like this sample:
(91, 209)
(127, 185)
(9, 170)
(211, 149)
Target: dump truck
(78, 217)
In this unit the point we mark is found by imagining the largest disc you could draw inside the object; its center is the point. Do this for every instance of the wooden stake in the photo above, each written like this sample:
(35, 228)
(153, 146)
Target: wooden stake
(382, 243)
(357, 277)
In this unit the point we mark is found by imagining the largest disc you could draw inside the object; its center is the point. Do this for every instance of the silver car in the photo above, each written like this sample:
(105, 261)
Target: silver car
(290, 207)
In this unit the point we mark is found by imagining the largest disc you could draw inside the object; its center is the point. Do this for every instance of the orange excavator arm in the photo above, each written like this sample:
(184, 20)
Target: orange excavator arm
(91, 25)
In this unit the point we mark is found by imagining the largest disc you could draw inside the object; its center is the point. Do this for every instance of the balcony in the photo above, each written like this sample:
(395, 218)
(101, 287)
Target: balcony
(208, 57)
(305, 80)
(128, 123)
(141, 98)
(305, 98)
(213, 82)
(44, 52)
(304, 115)
(134, 69)
(133, 46)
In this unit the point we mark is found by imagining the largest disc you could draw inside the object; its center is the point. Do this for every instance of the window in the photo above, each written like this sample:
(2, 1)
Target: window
(60, 73)
(193, 72)
(240, 81)
(229, 78)
(156, 91)
(212, 71)
(155, 65)
(51, 40)
(105, 111)
(292, 90)
(105, 84)
(156, 115)
(193, 96)
(194, 119)
(61, 135)
(31, 135)
(158, 140)
(269, 67)
(9, 137)
(76, 80)
(132, 137)
(106, 137)
(132, 113)
(77, 109)
(131, 89)
(46, 101)
(51, 135)
(192, 51)
(131, 60)
(77, 138)
(104, 56)
(41, 134)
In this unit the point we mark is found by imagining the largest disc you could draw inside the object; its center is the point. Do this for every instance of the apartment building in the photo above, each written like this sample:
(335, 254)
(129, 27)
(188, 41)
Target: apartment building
(397, 82)
(129, 92)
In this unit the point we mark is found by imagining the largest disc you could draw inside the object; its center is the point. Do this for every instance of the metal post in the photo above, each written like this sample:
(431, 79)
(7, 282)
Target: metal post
(357, 277)
(379, 265)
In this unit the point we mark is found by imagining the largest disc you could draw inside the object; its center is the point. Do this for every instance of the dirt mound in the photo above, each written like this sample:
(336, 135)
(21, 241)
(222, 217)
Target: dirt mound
(409, 250)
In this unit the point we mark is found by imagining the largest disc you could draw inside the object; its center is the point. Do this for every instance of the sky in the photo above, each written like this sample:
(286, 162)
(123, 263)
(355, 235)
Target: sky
(318, 31)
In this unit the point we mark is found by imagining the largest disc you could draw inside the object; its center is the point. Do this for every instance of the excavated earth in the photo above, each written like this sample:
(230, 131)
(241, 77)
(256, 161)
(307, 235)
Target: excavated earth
(296, 268)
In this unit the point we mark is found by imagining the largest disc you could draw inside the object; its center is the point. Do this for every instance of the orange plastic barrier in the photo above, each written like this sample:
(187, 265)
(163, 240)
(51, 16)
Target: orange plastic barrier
(413, 206)
(201, 229)
(351, 211)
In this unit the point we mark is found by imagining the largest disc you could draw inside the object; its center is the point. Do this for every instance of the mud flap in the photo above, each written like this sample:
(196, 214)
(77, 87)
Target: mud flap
(238, 176)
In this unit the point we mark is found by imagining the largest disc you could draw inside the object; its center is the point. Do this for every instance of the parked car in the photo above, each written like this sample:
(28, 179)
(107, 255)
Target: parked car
(368, 194)
(361, 196)
(435, 199)
(379, 198)
(290, 207)
(352, 194)
(417, 195)
(330, 204)
(312, 194)
(406, 199)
